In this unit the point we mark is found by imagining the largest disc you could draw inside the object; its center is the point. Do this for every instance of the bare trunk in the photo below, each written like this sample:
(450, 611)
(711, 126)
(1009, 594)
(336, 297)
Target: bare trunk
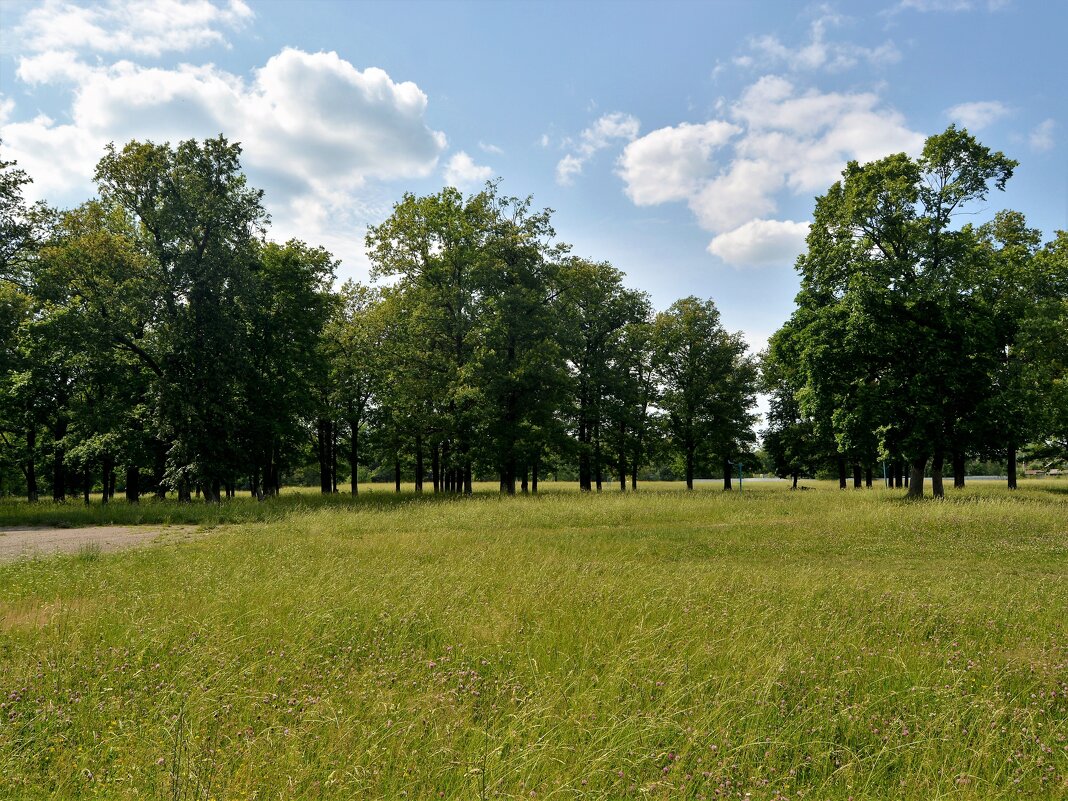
(468, 484)
(867, 476)
(841, 472)
(856, 476)
(418, 462)
(936, 474)
(436, 467)
(354, 456)
(794, 486)
(534, 473)
(690, 447)
(133, 484)
(105, 483)
(917, 467)
(958, 470)
(1012, 466)
(396, 474)
(59, 468)
(728, 478)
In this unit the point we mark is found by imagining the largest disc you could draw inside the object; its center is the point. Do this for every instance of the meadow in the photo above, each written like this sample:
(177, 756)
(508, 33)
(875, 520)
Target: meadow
(766, 644)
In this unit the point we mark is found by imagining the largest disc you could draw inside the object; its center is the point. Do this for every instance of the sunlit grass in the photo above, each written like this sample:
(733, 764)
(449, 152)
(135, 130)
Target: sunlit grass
(658, 644)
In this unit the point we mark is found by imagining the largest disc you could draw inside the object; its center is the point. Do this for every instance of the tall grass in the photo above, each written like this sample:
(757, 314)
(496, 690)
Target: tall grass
(659, 644)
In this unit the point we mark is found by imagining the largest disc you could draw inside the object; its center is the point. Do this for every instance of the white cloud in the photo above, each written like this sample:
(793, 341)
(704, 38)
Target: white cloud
(606, 130)
(462, 171)
(314, 130)
(53, 66)
(818, 53)
(761, 243)
(671, 163)
(567, 168)
(488, 147)
(978, 115)
(131, 27)
(774, 140)
(1041, 138)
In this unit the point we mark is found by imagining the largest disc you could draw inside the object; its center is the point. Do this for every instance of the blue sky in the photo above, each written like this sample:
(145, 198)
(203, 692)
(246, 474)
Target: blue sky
(683, 142)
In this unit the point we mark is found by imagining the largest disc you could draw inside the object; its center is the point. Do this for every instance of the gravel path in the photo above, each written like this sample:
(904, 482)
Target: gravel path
(25, 541)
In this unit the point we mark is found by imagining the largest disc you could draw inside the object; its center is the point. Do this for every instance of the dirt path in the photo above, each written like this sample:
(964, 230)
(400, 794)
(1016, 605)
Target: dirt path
(23, 542)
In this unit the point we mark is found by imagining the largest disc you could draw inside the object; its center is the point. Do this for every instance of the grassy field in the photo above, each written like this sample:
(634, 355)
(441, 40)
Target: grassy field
(762, 645)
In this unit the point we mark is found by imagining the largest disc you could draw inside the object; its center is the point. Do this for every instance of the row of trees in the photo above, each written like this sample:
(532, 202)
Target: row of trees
(917, 339)
(155, 339)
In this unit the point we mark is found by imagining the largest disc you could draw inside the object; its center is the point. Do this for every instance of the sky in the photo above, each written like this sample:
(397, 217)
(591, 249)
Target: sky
(684, 142)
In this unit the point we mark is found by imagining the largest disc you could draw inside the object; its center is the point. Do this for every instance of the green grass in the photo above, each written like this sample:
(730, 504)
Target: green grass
(821, 644)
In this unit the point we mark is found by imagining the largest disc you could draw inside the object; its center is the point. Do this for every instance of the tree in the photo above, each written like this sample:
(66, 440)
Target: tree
(882, 256)
(199, 222)
(708, 386)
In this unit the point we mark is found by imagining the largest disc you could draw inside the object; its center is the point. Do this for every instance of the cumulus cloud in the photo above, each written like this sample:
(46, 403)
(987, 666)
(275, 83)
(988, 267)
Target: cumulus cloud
(492, 149)
(672, 163)
(314, 129)
(978, 115)
(606, 130)
(1041, 138)
(134, 27)
(775, 139)
(817, 53)
(462, 171)
(761, 243)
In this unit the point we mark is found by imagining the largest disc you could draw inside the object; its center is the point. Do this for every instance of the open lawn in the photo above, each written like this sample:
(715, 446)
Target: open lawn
(761, 645)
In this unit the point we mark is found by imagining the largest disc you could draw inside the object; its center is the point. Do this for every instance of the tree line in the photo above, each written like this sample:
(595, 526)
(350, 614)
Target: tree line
(919, 338)
(155, 340)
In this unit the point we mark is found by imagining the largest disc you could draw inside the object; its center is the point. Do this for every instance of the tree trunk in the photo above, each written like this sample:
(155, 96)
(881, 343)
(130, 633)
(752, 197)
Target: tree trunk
(958, 469)
(333, 456)
(728, 478)
(133, 484)
(87, 485)
(841, 472)
(1012, 466)
(622, 456)
(524, 485)
(323, 437)
(59, 468)
(354, 456)
(418, 462)
(534, 472)
(585, 482)
(158, 471)
(794, 475)
(183, 491)
(435, 467)
(690, 448)
(31, 465)
(867, 476)
(396, 474)
(468, 485)
(856, 476)
(936, 474)
(108, 463)
(917, 466)
(213, 491)
(597, 463)
(445, 476)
